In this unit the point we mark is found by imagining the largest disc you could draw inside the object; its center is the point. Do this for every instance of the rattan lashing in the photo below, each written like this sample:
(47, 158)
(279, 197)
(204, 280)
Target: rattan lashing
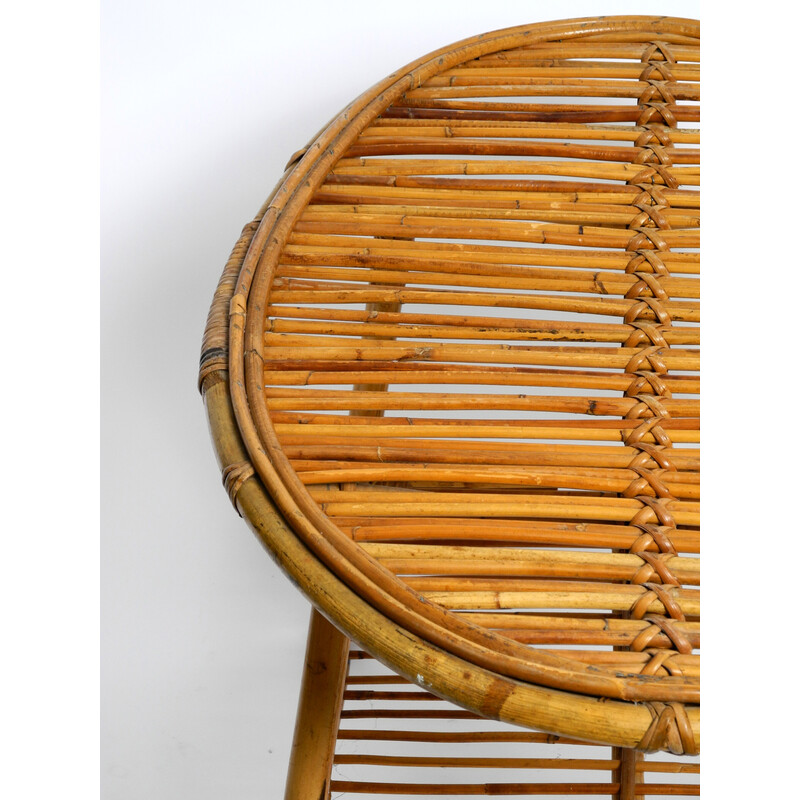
(376, 262)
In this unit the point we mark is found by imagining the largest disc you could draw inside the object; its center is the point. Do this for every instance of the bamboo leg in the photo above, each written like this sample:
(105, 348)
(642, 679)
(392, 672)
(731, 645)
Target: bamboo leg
(626, 773)
(373, 387)
(390, 306)
(318, 711)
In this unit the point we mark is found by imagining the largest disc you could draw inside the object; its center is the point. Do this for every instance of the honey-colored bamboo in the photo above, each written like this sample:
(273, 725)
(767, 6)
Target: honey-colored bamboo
(293, 291)
(548, 87)
(460, 737)
(476, 147)
(426, 475)
(506, 763)
(495, 763)
(456, 128)
(552, 69)
(595, 406)
(377, 448)
(533, 532)
(343, 349)
(572, 280)
(319, 710)
(590, 47)
(594, 284)
(495, 192)
(607, 789)
(531, 112)
(491, 253)
(683, 176)
(290, 320)
(596, 431)
(308, 373)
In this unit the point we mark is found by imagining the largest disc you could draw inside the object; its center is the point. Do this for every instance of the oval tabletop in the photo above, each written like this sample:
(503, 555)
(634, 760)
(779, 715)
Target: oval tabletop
(451, 371)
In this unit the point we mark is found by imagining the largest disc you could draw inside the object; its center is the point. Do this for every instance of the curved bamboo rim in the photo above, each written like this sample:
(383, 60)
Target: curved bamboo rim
(493, 696)
(339, 554)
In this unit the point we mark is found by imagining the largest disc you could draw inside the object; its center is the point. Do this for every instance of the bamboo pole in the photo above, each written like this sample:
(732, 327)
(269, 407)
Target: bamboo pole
(689, 176)
(528, 130)
(491, 253)
(526, 620)
(339, 221)
(318, 711)
(510, 763)
(614, 600)
(335, 208)
(305, 372)
(557, 68)
(460, 737)
(682, 430)
(380, 449)
(343, 322)
(377, 788)
(477, 762)
(286, 346)
(498, 531)
(343, 399)
(588, 48)
(424, 476)
(367, 146)
(628, 773)
(497, 191)
(685, 570)
(292, 292)
(609, 207)
(559, 209)
(407, 713)
(546, 87)
(378, 273)
(531, 112)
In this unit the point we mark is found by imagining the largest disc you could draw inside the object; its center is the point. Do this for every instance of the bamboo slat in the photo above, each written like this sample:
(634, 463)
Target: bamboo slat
(490, 253)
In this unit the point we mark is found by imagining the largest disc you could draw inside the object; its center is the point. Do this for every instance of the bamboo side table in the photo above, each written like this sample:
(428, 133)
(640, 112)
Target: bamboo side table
(451, 372)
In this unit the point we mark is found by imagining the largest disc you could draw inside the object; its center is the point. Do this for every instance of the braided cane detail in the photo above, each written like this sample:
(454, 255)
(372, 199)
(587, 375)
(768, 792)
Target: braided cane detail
(669, 730)
(648, 317)
(233, 477)
(661, 625)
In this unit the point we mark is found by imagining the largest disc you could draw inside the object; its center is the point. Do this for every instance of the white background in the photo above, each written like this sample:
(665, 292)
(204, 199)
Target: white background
(202, 636)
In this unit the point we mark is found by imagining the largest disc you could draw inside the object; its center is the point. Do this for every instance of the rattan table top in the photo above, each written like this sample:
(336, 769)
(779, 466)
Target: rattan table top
(452, 374)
